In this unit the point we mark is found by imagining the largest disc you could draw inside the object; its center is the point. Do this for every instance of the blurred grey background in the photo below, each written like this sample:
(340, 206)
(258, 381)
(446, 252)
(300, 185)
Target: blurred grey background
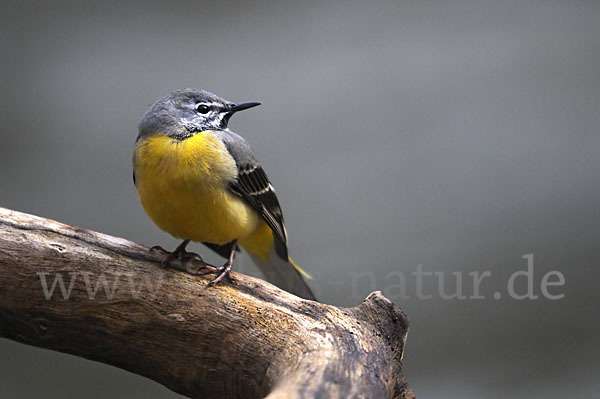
(458, 136)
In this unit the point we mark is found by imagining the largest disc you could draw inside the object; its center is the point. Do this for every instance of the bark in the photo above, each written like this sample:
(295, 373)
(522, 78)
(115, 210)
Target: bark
(116, 305)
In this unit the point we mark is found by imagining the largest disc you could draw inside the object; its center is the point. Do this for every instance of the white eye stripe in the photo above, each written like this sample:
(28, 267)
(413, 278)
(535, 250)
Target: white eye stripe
(209, 105)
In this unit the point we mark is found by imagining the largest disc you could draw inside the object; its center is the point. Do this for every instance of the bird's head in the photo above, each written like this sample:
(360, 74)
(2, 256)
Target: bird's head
(186, 112)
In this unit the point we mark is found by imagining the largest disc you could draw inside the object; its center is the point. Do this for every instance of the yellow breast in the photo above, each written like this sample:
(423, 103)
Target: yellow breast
(183, 187)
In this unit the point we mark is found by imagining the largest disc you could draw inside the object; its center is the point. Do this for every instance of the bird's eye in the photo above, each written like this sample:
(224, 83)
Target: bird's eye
(202, 108)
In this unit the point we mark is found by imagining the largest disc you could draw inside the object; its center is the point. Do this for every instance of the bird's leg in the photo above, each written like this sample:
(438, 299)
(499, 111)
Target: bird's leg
(180, 253)
(225, 270)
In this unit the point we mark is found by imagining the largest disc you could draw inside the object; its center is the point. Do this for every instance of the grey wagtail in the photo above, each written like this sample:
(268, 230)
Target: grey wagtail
(199, 181)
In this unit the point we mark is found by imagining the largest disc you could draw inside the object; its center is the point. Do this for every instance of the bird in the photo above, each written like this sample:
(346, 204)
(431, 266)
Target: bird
(199, 181)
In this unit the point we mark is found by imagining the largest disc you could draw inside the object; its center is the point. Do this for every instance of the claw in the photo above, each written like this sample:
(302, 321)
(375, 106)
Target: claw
(158, 248)
(224, 271)
(164, 263)
(193, 268)
(182, 255)
(185, 257)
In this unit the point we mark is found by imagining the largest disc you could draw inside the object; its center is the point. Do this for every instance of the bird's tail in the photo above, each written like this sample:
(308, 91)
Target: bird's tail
(286, 275)
(283, 273)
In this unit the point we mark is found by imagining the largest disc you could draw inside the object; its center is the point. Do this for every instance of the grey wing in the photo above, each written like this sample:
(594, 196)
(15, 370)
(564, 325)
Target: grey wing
(253, 185)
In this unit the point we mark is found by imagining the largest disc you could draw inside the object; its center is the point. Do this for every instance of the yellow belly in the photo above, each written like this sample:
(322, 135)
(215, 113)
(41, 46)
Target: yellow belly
(183, 187)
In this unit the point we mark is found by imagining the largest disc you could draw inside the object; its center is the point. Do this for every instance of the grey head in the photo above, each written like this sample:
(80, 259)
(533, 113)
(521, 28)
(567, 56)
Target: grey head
(183, 113)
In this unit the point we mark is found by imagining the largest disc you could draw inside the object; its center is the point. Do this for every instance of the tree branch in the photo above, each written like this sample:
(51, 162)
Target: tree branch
(117, 306)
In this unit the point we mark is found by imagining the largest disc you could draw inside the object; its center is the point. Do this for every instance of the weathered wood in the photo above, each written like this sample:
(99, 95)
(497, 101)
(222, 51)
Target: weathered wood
(247, 341)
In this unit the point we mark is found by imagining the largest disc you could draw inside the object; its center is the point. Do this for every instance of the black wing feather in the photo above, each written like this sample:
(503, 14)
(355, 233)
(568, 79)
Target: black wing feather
(253, 185)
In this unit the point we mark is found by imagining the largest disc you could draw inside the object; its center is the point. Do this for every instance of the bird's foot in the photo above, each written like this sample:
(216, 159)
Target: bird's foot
(223, 271)
(184, 257)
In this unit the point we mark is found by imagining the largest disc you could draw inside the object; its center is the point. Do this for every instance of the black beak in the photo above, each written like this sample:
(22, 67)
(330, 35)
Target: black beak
(242, 106)
(235, 108)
